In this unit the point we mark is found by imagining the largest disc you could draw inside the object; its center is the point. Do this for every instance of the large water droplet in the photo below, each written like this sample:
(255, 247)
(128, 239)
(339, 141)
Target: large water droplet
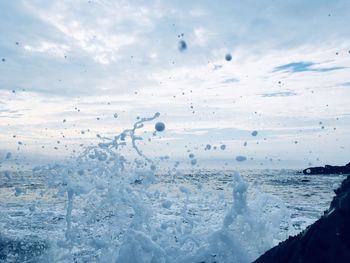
(160, 126)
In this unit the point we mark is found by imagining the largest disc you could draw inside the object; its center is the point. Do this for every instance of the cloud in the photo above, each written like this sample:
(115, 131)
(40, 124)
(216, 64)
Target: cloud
(279, 94)
(302, 67)
(200, 36)
(103, 46)
(230, 80)
(50, 48)
(217, 67)
(346, 84)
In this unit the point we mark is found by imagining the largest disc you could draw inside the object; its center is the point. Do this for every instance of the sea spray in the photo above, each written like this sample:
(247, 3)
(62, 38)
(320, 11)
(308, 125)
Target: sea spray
(116, 213)
(247, 230)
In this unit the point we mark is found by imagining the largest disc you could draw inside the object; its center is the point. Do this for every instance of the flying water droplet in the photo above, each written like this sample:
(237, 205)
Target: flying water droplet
(228, 57)
(241, 158)
(254, 133)
(160, 126)
(182, 46)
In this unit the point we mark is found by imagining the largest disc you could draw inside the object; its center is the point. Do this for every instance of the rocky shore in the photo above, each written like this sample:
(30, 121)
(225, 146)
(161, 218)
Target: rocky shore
(327, 240)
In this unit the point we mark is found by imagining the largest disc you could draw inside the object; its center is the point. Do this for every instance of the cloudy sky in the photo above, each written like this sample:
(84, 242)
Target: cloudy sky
(68, 66)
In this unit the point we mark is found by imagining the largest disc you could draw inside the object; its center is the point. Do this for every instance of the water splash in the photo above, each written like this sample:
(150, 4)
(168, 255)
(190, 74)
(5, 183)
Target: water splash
(115, 211)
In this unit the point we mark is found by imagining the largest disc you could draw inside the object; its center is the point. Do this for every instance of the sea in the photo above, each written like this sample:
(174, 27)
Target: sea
(60, 214)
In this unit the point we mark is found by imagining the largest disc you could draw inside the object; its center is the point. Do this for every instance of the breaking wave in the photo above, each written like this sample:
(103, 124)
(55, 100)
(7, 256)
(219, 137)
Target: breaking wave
(116, 210)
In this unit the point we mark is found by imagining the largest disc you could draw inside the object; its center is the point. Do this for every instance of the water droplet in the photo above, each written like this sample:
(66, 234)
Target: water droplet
(228, 57)
(193, 162)
(241, 158)
(160, 126)
(182, 46)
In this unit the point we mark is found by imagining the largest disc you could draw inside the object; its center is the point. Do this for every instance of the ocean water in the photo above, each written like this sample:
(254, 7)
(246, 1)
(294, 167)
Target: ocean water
(39, 220)
(102, 206)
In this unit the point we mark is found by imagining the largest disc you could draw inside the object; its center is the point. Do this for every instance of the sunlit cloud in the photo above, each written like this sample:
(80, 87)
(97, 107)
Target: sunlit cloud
(49, 48)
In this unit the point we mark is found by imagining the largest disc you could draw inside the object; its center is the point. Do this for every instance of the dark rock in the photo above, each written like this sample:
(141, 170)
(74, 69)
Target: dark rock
(328, 169)
(327, 240)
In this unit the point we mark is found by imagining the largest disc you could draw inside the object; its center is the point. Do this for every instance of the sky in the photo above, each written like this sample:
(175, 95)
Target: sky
(67, 67)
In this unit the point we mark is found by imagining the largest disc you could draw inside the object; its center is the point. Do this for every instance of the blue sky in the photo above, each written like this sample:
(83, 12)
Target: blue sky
(83, 61)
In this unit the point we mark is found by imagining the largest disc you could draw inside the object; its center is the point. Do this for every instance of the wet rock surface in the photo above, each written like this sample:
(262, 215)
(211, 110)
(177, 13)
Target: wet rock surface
(328, 169)
(327, 240)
